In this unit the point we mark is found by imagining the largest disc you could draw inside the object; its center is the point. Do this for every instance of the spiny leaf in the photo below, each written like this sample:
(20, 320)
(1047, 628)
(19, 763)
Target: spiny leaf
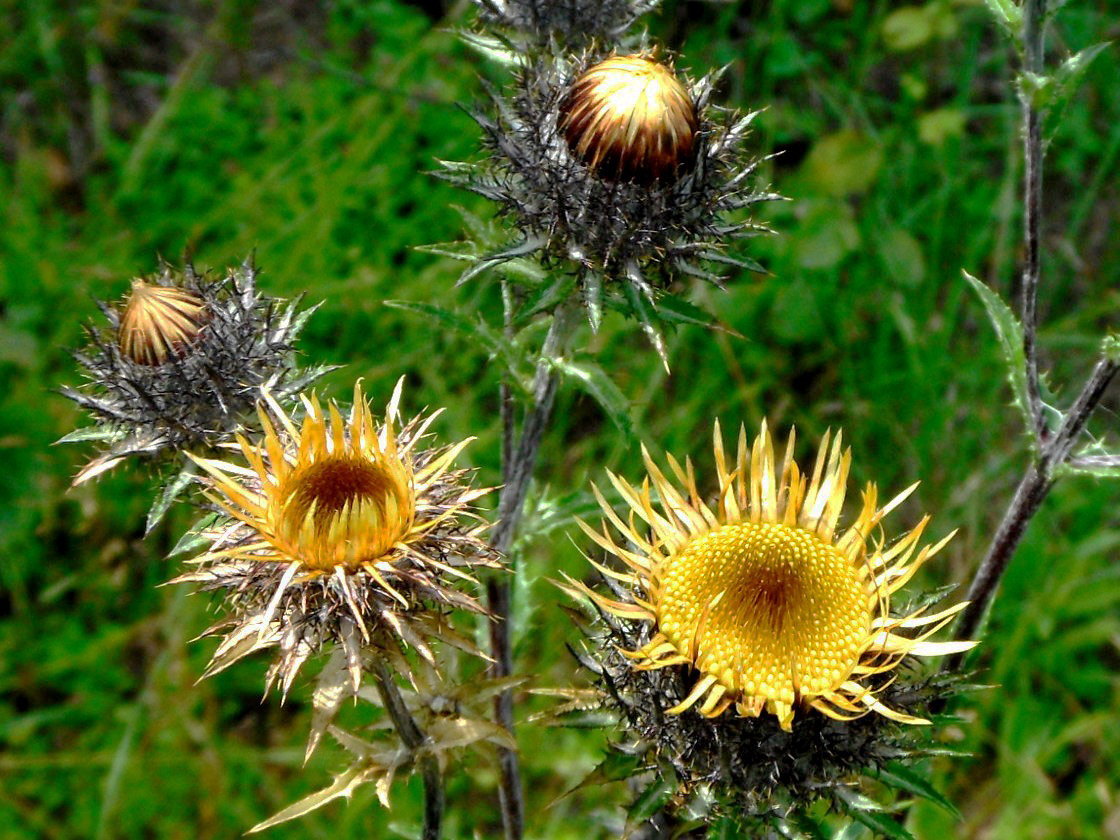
(343, 785)
(869, 813)
(333, 687)
(616, 767)
(903, 778)
(675, 309)
(649, 801)
(594, 380)
(643, 310)
(1070, 72)
(1008, 15)
(171, 491)
(193, 538)
(493, 48)
(99, 433)
(1101, 466)
(1010, 334)
(881, 824)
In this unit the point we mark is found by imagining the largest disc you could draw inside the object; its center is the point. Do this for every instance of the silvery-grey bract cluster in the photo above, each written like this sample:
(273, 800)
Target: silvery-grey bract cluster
(151, 397)
(573, 21)
(625, 240)
(745, 768)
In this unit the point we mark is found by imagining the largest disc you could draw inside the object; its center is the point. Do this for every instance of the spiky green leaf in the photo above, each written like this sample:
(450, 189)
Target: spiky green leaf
(1010, 333)
(589, 376)
(171, 491)
(903, 778)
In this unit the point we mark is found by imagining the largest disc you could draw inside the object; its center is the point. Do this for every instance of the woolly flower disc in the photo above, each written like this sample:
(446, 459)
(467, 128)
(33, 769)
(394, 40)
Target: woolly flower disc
(760, 594)
(629, 118)
(338, 530)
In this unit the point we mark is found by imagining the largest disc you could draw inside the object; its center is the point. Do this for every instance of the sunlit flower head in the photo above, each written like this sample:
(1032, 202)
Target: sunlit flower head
(629, 118)
(761, 595)
(337, 527)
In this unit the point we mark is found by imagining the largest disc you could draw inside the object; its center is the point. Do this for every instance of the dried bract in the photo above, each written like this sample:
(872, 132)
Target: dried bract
(340, 531)
(619, 169)
(180, 364)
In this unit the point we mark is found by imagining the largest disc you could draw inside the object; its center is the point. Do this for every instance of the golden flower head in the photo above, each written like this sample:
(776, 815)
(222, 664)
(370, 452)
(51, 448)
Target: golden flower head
(760, 593)
(629, 118)
(160, 322)
(339, 528)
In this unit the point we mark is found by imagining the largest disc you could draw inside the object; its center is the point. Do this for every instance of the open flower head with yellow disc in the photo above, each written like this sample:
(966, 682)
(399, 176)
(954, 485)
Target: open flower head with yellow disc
(341, 529)
(753, 622)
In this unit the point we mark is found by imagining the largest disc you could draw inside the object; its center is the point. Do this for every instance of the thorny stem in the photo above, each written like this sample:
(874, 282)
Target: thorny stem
(1034, 12)
(1033, 487)
(414, 739)
(1051, 451)
(517, 470)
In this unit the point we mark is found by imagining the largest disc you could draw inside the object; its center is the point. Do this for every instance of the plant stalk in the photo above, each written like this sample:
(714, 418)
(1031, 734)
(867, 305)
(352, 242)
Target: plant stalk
(1033, 487)
(518, 464)
(413, 738)
(1051, 450)
(1034, 12)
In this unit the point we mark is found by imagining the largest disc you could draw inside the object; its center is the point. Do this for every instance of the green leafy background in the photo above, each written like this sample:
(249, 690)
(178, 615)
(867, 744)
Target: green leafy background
(304, 132)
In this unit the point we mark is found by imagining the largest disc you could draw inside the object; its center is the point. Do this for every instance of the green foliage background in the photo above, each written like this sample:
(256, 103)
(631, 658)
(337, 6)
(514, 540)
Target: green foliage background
(303, 131)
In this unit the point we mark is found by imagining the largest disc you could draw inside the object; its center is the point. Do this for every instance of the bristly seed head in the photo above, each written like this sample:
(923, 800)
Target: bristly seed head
(630, 119)
(160, 322)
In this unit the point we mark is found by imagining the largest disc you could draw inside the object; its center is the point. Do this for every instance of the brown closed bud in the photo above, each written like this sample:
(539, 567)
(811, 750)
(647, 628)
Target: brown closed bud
(630, 119)
(159, 322)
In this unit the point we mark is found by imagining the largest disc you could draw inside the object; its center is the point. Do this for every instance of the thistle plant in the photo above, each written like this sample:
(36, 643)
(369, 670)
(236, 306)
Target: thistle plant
(351, 536)
(748, 645)
(1059, 443)
(751, 640)
(179, 366)
(617, 180)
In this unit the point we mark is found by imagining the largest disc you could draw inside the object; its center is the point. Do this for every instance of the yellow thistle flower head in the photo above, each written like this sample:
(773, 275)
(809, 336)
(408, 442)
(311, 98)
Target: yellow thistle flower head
(629, 118)
(339, 528)
(761, 593)
(160, 322)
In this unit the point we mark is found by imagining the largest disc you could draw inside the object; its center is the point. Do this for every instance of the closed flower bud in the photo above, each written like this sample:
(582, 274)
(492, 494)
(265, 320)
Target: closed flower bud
(630, 119)
(620, 170)
(180, 362)
(160, 322)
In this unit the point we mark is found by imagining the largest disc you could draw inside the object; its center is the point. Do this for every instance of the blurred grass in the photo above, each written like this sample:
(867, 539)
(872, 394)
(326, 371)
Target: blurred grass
(303, 132)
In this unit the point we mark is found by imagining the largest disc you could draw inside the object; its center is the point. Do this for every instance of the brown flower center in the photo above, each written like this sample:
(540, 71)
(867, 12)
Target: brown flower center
(345, 510)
